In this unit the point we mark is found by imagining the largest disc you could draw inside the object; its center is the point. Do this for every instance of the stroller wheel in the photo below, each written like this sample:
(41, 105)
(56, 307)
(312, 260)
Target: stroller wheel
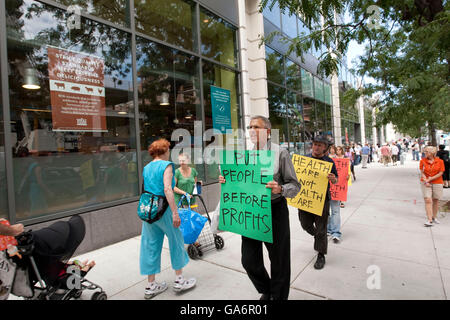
(193, 252)
(77, 294)
(99, 296)
(218, 241)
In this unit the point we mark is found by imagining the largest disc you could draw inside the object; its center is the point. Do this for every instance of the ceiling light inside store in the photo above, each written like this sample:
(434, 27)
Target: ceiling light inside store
(188, 115)
(30, 79)
(164, 99)
(122, 112)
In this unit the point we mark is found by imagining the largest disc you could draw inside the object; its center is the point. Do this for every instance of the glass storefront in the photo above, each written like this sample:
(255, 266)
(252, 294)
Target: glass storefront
(217, 76)
(85, 104)
(116, 11)
(275, 66)
(218, 39)
(278, 112)
(299, 103)
(273, 15)
(172, 21)
(3, 184)
(289, 24)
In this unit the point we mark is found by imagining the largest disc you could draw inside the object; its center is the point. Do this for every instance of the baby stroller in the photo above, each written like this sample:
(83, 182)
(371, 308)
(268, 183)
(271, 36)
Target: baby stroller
(206, 240)
(43, 257)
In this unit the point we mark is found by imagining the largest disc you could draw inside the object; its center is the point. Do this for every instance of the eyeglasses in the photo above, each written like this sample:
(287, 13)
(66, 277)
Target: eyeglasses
(254, 127)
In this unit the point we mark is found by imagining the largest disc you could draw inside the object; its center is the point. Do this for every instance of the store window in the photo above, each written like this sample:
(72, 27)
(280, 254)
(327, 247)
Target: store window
(273, 15)
(329, 121)
(72, 111)
(116, 11)
(289, 23)
(309, 117)
(274, 66)
(321, 127)
(307, 83)
(172, 21)
(3, 184)
(296, 125)
(318, 89)
(169, 98)
(278, 113)
(218, 38)
(293, 76)
(303, 30)
(226, 80)
(327, 92)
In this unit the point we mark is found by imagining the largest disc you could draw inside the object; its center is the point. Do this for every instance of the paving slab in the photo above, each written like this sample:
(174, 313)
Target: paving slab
(345, 277)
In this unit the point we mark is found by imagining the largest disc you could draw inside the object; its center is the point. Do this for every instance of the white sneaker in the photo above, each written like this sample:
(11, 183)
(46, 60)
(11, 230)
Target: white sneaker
(428, 224)
(153, 291)
(436, 221)
(184, 284)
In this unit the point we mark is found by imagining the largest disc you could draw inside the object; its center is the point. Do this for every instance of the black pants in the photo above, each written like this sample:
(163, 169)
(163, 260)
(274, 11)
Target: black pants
(316, 226)
(279, 255)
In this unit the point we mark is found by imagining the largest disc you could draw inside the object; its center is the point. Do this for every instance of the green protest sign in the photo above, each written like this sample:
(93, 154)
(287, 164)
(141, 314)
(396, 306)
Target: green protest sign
(245, 202)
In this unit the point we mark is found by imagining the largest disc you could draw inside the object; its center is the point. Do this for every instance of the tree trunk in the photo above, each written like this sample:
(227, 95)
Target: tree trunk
(432, 132)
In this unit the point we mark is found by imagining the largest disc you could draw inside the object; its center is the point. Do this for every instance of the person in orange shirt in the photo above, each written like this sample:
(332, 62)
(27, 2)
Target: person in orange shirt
(432, 168)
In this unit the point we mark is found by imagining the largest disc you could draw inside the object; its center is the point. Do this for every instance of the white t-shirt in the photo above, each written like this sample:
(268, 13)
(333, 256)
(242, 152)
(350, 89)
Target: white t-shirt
(394, 150)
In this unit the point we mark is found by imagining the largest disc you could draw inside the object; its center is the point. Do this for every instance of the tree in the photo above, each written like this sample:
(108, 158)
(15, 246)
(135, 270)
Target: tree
(407, 53)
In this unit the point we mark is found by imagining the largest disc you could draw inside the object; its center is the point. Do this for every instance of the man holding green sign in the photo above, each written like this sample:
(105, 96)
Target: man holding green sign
(280, 181)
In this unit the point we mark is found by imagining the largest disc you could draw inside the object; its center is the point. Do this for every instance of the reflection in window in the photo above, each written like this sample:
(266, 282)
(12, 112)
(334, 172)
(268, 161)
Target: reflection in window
(321, 118)
(327, 92)
(293, 75)
(115, 11)
(73, 138)
(296, 126)
(329, 120)
(310, 121)
(215, 75)
(318, 89)
(273, 15)
(218, 39)
(303, 30)
(3, 190)
(277, 112)
(289, 24)
(274, 66)
(172, 21)
(169, 96)
(307, 83)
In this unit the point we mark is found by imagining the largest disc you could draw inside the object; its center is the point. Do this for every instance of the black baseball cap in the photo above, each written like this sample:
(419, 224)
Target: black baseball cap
(322, 139)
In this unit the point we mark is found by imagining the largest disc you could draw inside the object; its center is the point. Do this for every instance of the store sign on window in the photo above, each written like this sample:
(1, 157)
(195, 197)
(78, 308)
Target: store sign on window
(221, 109)
(77, 91)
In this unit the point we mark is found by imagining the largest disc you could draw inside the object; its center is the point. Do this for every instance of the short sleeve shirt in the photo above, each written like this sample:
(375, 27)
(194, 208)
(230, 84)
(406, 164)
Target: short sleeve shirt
(432, 169)
(185, 184)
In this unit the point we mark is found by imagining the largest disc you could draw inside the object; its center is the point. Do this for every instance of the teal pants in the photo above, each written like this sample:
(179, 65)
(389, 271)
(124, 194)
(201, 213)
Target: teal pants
(152, 242)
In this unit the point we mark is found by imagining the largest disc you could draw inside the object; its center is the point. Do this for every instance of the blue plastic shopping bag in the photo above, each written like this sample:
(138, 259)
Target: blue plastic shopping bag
(192, 222)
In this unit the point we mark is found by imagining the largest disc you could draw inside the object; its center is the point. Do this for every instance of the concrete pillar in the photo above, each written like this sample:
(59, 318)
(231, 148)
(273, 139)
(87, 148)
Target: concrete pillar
(253, 59)
(337, 131)
(374, 128)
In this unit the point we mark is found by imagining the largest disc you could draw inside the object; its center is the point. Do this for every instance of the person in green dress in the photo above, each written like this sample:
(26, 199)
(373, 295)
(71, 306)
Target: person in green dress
(185, 179)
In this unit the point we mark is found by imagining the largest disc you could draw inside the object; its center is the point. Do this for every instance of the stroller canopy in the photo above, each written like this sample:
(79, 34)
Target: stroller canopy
(61, 239)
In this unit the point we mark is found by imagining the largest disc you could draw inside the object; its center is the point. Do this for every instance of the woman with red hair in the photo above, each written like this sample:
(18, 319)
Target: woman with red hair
(159, 180)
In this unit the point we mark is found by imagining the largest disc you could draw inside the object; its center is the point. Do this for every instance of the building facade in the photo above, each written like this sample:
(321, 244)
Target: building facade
(86, 88)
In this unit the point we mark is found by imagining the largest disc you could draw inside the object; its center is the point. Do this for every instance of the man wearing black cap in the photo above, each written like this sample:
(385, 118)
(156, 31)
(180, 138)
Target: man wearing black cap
(313, 224)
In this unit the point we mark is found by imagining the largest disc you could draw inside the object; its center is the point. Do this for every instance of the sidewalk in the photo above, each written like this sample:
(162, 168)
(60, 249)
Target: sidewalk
(382, 226)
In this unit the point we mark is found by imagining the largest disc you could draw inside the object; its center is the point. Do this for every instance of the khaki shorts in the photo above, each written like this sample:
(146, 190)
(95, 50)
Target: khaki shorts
(435, 191)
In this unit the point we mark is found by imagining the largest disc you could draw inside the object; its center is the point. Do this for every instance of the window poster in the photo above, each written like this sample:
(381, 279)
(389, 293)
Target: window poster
(77, 91)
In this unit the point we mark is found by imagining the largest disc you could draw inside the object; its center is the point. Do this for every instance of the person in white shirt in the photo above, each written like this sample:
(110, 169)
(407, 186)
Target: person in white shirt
(358, 154)
(394, 154)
